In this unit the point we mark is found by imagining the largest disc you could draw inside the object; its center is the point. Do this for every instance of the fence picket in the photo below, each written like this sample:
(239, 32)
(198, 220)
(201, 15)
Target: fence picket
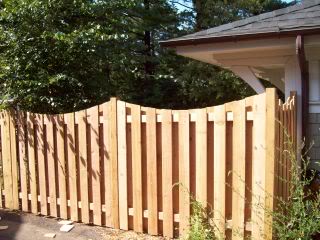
(152, 172)
(32, 163)
(23, 160)
(201, 155)
(238, 171)
(51, 164)
(93, 114)
(71, 163)
(167, 173)
(81, 116)
(258, 163)
(6, 160)
(219, 168)
(122, 161)
(41, 164)
(184, 172)
(136, 168)
(61, 161)
(14, 160)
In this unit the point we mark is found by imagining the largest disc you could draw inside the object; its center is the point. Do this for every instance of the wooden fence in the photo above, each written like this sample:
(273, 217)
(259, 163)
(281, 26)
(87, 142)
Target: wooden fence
(115, 164)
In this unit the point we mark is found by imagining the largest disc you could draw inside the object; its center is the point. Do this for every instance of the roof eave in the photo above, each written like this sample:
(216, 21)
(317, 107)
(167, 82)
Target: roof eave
(206, 40)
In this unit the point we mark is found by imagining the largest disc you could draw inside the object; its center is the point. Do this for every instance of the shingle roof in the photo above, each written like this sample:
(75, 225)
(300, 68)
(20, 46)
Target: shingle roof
(303, 16)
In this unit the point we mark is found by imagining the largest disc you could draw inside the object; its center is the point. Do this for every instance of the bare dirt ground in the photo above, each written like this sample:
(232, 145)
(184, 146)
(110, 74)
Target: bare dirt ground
(23, 226)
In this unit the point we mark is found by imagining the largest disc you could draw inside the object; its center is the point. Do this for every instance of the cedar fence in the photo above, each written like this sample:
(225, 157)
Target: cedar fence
(115, 164)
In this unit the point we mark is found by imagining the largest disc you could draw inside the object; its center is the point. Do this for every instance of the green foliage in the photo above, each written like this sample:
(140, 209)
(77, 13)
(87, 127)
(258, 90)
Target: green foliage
(298, 218)
(201, 226)
(63, 55)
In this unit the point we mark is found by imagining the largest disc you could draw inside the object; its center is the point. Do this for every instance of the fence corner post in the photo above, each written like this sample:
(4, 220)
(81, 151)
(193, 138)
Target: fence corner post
(270, 171)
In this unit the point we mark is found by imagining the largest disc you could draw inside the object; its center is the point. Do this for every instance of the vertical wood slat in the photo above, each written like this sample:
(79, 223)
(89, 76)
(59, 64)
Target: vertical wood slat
(83, 165)
(270, 151)
(61, 161)
(258, 166)
(114, 162)
(167, 168)
(219, 168)
(41, 163)
(32, 163)
(152, 172)
(6, 160)
(51, 165)
(107, 163)
(201, 156)
(23, 160)
(71, 163)
(14, 160)
(184, 171)
(137, 168)
(239, 166)
(93, 114)
(122, 163)
(285, 154)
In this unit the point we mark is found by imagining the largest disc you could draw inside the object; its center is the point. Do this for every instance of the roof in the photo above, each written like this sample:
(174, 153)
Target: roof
(300, 18)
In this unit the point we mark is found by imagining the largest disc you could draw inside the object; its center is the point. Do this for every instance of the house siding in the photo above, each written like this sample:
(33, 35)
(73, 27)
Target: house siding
(314, 136)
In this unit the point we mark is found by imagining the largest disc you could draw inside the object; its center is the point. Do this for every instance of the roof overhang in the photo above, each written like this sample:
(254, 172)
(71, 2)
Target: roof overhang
(243, 37)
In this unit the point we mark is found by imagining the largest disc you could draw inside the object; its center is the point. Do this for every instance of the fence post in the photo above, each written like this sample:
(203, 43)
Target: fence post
(270, 173)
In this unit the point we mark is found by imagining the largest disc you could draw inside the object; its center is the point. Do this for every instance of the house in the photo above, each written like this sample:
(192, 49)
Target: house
(282, 47)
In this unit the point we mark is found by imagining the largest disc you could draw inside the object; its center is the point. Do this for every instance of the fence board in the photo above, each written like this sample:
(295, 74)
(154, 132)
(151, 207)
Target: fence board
(167, 173)
(259, 162)
(23, 161)
(93, 114)
(201, 156)
(239, 167)
(41, 164)
(219, 168)
(184, 172)
(71, 163)
(61, 161)
(152, 172)
(6, 160)
(114, 162)
(14, 161)
(136, 168)
(83, 162)
(107, 163)
(122, 161)
(49, 120)
(32, 163)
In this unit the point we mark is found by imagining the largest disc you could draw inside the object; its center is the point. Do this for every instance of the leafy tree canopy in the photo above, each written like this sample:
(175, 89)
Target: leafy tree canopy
(66, 55)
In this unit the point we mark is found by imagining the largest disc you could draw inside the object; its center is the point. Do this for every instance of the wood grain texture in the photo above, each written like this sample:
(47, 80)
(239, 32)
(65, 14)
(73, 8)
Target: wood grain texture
(83, 162)
(167, 167)
(61, 165)
(72, 166)
(32, 163)
(41, 164)
(49, 121)
(238, 171)
(122, 163)
(184, 172)
(93, 114)
(23, 160)
(201, 156)
(136, 168)
(258, 164)
(152, 172)
(219, 168)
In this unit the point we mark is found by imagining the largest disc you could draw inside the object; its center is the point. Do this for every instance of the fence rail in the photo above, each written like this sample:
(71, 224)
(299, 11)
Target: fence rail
(115, 164)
